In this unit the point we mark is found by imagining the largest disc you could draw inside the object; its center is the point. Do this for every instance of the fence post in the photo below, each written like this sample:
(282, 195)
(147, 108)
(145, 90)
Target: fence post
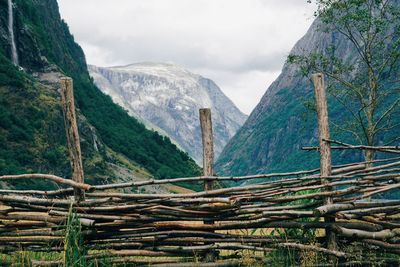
(208, 163)
(325, 148)
(208, 146)
(71, 130)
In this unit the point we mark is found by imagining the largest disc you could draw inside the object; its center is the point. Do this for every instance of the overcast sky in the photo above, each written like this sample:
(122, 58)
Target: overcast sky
(240, 44)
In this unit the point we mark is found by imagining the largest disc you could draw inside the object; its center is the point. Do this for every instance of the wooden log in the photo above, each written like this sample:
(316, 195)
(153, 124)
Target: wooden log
(355, 169)
(323, 128)
(27, 224)
(383, 244)
(178, 234)
(352, 147)
(192, 197)
(208, 162)
(326, 209)
(339, 169)
(208, 146)
(389, 149)
(366, 262)
(384, 189)
(244, 224)
(27, 201)
(201, 178)
(71, 129)
(384, 208)
(208, 264)
(335, 253)
(111, 254)
(325, 194)
(54, 178)
(38, 192)
(33, 239)
(119, 261)
(263, 208)
(336, 170)
(95, 217)
(211, 247)
(354, 233)
(373, 169)
(385, 224)
(144, 262)
(290, 183)
(32, 217)
(43, 218)
(163, 241)
(325, 151)
(129, 253)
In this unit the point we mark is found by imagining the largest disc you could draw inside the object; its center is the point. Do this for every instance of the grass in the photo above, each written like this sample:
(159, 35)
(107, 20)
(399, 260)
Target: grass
(74, 251)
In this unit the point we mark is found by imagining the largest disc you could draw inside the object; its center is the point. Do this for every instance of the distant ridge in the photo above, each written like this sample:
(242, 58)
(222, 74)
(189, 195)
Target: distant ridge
(167, 98)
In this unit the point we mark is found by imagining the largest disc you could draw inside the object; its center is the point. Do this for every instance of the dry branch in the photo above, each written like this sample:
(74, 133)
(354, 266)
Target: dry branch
(381, 235)
(53, 178)
(160, 225)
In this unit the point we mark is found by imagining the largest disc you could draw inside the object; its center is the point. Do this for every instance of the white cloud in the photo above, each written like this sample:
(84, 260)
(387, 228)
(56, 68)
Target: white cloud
(240, 44)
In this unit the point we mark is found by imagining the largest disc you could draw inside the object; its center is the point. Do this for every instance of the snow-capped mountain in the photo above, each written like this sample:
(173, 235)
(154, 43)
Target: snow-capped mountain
(167, 98)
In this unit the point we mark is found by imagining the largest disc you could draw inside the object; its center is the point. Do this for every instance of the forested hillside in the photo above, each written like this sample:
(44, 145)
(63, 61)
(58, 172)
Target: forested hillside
(32, 135)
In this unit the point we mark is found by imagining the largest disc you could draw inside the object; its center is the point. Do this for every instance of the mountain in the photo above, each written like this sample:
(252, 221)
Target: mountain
(115, 146)
(167, 98)
(272, 137)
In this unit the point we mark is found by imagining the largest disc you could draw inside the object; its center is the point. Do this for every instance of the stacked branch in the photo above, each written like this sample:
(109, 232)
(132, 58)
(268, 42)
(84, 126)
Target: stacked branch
(172, 225)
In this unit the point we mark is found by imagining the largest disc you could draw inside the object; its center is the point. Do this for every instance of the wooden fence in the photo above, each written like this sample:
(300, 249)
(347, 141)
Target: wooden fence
(332, 212)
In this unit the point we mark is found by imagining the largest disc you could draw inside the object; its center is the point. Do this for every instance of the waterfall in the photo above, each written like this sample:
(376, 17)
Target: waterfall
(11, 31)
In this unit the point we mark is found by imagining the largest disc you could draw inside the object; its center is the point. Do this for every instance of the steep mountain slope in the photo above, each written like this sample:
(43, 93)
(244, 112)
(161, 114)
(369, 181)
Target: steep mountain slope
(167, 97)
(272, 137)
(31, 127)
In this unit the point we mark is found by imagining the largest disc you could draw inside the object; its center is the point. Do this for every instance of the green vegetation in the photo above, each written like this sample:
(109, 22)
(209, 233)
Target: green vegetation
(74, 250)
(364, 83)
(129, 137)
(274, 143)
(32, 136)
(30, 119)
(363, 100)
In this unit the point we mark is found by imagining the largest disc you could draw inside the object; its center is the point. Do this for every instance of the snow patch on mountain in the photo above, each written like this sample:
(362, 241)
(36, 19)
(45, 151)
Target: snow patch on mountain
(167, 98)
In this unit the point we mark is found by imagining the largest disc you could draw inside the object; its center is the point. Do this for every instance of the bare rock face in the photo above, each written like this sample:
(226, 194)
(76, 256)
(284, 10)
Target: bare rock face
(167, 98)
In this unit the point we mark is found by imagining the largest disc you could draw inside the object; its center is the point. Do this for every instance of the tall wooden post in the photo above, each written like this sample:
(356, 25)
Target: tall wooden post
(325, 148)
(71, 129)
(208, 146)
(208, 163)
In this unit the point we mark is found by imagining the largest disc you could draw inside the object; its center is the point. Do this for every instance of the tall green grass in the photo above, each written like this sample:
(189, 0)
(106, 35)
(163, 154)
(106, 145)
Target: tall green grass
(74, 250)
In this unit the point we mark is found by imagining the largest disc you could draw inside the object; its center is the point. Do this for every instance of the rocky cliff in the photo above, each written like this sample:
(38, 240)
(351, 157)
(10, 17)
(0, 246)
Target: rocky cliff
(167, 98)
(272, 137)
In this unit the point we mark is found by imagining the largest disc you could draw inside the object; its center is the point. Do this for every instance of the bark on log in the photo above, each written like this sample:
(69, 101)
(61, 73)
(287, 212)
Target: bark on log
(335, 253)
(208, 146)
(325, 151)
(71, 129)
(54, 178)
(208, 161)
(354, 233)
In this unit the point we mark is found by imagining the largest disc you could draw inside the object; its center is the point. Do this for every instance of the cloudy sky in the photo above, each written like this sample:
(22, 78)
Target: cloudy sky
(240, 44)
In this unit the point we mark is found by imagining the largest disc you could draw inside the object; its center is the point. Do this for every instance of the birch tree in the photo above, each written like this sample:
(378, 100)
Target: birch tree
(363, 76)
